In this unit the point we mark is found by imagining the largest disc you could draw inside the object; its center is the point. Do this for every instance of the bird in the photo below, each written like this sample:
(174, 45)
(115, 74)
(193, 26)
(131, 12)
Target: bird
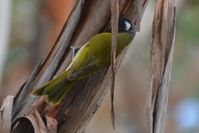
(93, 56)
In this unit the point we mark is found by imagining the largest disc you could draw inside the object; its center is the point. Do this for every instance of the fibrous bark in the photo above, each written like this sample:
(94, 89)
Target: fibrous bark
(161, 62)
(88, 18)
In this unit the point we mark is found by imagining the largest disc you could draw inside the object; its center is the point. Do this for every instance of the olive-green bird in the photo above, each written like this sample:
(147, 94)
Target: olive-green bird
(93, 56)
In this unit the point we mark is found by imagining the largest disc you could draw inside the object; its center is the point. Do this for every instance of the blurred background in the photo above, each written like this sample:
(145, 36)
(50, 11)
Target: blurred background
(28, 29)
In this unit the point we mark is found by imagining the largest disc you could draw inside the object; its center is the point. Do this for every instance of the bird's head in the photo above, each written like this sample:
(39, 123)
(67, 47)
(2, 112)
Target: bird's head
(125, 25)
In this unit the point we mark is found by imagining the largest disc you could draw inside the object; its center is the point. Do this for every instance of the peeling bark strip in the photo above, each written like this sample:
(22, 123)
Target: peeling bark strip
(114, 31)
(6, 114)
(88, 18)
(161, 61)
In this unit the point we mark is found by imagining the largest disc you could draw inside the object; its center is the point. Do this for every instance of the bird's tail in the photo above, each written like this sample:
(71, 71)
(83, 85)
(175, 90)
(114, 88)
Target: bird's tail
(55, 90)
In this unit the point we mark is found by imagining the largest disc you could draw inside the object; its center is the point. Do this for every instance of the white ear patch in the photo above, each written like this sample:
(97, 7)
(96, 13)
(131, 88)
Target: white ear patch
(128, 26)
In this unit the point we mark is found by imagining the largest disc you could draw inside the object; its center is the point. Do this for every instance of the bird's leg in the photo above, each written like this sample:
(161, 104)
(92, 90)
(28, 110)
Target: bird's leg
(74, 50)
(75, 75)
(83, 73)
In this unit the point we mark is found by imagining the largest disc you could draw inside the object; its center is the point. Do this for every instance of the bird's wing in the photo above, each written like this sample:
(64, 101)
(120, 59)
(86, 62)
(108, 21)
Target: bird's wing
(79, 60)
(50, 85)
(83, 64)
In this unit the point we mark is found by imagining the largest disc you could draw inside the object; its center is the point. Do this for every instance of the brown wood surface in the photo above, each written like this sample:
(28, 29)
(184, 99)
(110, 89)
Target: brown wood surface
(88, 18)
(162, 46)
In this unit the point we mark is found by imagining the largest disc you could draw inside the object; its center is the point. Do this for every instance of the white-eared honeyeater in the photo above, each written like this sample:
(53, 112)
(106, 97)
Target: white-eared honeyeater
(93, 56)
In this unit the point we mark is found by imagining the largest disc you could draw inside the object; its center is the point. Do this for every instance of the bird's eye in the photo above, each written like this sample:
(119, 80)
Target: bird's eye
(127, 25)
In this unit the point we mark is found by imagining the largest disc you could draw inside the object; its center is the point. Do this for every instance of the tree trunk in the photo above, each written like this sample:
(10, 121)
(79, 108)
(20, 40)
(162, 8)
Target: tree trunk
(88, 18)
(162, 47)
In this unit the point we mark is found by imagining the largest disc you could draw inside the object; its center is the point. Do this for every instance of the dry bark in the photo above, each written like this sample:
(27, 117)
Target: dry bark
(161, 61)
(88, 18)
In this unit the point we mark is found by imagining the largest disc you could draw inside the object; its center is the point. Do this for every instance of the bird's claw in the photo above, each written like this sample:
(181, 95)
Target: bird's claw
(74, 50)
